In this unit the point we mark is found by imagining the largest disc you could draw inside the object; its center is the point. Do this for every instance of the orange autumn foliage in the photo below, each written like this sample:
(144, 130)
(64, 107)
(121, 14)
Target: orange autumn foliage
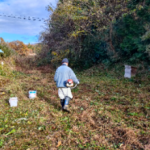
(19, 47)
(2, 40)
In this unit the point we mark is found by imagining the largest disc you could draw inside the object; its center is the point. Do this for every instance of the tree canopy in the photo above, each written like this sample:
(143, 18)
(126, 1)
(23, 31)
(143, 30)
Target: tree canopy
(97, 31)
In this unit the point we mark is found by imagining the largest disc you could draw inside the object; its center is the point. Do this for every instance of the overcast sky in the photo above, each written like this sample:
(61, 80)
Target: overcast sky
(19, 29)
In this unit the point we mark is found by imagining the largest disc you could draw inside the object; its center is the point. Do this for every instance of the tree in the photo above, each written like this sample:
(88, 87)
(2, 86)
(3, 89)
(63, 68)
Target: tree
(19, 47)
(89, 29)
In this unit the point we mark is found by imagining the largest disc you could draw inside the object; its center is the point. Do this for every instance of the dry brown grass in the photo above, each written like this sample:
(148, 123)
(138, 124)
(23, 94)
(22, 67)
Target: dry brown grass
(108, 116)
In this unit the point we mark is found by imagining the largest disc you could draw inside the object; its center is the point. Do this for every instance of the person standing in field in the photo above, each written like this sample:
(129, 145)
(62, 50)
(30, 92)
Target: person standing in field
(62, 75)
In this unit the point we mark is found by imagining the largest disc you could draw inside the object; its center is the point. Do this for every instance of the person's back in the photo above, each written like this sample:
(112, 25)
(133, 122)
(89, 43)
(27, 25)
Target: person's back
(62, 74)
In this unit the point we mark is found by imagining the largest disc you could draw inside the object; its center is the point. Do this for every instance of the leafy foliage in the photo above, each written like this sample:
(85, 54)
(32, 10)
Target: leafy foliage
(5, 48)
(19, 47)
(15, 47)
(35, 48)
(97, 32)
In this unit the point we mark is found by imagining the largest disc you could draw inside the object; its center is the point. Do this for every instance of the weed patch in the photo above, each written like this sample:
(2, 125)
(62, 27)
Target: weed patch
(106, 113)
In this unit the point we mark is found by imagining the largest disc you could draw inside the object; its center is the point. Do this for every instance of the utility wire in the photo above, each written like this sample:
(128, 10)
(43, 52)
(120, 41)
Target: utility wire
(23, 17)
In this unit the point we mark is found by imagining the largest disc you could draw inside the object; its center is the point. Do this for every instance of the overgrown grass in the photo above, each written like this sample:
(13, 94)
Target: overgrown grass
(106, 113)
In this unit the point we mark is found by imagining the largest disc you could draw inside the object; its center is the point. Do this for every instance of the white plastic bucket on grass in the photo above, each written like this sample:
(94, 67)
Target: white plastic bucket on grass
(13, 101)
(32, 94)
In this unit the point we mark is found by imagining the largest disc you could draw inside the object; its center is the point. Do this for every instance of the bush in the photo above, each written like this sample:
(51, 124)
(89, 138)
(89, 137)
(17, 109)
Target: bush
(7, 50)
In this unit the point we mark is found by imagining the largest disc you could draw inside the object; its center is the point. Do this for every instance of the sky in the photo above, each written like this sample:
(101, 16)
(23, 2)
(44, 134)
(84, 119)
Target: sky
(28, 31)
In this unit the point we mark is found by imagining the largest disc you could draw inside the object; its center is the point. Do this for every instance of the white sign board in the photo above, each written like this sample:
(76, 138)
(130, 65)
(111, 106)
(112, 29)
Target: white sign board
(127, 71)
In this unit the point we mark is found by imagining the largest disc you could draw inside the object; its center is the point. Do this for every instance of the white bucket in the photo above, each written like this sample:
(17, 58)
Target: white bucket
(13, 101)
(32, 94)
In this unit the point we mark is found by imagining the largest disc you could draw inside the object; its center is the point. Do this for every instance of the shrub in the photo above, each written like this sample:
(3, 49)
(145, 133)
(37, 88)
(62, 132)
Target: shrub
(7, 50)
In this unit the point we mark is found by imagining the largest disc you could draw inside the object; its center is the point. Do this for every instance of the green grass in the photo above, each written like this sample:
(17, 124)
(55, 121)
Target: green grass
(106, 113)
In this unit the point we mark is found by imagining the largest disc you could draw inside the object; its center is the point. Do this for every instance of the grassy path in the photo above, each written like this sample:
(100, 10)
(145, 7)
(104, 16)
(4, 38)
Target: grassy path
(106, 113)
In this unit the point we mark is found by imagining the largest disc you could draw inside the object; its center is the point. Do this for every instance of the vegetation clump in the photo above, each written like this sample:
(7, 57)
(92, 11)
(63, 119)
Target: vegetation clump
(8, 51)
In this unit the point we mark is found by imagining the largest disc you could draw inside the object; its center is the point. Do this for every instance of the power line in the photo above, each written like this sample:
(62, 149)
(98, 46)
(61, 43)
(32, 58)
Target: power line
(29, 18)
